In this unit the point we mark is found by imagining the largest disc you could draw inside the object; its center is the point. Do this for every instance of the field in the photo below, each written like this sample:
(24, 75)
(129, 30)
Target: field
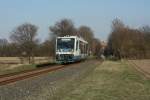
(16, 60)
(13, 64)
(112, 81)
(143, 66)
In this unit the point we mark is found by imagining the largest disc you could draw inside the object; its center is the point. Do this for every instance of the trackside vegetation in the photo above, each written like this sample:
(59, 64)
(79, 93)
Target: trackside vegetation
(18, 69)
(128, 42)
(24, 68)
(112, 81)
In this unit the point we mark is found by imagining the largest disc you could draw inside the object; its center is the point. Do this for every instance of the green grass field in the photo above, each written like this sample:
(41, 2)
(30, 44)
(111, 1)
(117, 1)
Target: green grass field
(112, 81)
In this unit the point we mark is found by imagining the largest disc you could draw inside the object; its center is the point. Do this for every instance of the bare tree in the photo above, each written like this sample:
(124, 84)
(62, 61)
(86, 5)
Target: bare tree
(3, 42)
(126, 42)
(24, 36)
(116, 37)
(117, 25)
(3, 47)
(96, 47)
(63, 27)
(146, 31)
(46, 48)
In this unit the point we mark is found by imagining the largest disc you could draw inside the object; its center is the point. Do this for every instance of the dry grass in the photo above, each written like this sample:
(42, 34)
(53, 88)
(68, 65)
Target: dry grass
(142, 66)
(112, 81)
(16, 60)
(13, 64)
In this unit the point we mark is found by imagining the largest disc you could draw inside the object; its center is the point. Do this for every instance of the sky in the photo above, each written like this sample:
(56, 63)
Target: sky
(97, 14)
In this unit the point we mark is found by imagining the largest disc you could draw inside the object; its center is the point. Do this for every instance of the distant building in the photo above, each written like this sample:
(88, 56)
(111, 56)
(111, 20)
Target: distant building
(103, 44)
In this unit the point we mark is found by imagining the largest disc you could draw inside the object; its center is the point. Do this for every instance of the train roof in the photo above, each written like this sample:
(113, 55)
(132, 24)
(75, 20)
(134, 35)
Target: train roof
(79, 38)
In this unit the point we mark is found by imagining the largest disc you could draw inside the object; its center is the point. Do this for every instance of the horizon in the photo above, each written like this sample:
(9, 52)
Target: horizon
(96, 14)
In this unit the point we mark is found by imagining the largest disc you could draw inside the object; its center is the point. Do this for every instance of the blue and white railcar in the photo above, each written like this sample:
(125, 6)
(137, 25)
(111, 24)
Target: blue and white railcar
(71, 49)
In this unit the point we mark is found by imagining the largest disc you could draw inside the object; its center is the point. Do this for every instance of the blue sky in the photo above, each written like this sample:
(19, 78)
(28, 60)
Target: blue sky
(98, 14)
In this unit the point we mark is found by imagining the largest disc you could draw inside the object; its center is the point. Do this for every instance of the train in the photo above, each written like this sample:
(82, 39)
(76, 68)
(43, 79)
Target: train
(71, 49)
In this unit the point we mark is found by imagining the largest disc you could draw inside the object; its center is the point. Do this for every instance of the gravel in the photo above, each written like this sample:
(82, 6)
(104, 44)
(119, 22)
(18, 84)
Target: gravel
(49, 86)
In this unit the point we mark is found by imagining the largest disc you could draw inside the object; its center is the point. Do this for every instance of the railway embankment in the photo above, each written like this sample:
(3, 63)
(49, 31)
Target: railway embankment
(52, 85)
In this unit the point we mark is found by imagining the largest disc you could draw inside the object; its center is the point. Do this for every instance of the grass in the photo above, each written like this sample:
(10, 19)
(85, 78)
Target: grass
(23, 68)
(18, 69)
(17, 60)
(112, 81)
(12, 64)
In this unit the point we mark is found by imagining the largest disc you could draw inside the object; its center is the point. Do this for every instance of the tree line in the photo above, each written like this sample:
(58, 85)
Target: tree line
(24, 42)
(126, 42)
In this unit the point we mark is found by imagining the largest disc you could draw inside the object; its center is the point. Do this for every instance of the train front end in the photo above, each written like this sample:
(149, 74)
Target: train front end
(65, 49)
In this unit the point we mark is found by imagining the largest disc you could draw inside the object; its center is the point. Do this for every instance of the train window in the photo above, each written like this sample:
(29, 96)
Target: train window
(65, 44)
(86, 48)
(77, 45)
(81, 45)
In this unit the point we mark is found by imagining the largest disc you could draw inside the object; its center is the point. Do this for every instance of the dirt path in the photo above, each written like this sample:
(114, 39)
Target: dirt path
(142, 65)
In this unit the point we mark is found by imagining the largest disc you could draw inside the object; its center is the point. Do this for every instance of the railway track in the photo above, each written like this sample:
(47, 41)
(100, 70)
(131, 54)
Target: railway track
(10, 78)
(14, 77)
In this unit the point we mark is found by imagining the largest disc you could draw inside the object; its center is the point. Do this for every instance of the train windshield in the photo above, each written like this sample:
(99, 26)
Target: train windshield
(65, 44)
